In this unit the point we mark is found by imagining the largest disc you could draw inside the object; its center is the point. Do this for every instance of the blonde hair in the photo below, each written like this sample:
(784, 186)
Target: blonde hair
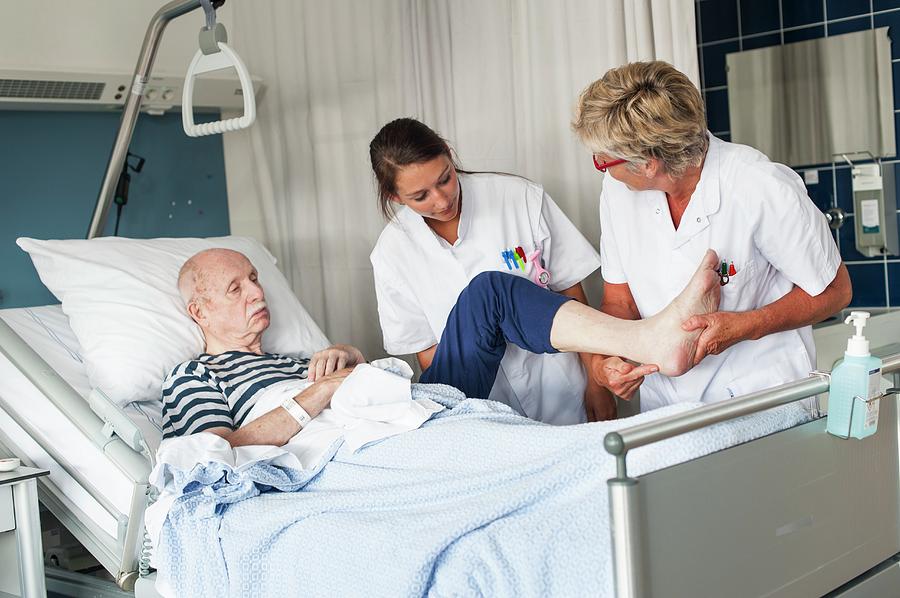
(644, 110)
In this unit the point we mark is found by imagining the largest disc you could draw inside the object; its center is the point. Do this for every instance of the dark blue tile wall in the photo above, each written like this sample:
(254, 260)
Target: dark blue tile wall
(725, 26)
(52, 166)
(796, 13)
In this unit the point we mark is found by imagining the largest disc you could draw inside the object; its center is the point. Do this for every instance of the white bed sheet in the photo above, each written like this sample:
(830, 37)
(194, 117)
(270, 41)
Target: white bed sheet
(47, 331)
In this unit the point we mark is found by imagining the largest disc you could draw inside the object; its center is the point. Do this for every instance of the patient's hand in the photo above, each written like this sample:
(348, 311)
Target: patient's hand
(317, 396)
(332, 359)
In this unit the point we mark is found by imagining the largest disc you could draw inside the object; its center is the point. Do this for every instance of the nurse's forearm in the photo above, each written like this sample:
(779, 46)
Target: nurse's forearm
(797, 308)
(426, 357)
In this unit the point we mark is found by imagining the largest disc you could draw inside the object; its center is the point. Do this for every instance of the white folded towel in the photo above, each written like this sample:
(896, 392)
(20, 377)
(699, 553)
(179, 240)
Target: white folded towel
(372, 403)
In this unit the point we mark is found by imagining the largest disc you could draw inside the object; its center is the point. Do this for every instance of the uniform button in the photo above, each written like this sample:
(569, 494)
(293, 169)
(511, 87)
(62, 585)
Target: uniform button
(698, 220)
(658, 211)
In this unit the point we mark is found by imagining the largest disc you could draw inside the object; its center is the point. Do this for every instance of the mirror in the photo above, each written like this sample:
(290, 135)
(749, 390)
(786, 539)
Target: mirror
(808, 102)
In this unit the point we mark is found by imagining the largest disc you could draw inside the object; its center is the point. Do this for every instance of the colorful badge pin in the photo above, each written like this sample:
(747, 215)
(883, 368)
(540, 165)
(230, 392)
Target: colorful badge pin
(726, 271)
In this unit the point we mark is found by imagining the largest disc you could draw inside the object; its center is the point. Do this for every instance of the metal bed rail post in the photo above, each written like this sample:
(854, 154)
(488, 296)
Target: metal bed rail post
(157, 26)
(625, 516)
(895, 382)
(627, 537)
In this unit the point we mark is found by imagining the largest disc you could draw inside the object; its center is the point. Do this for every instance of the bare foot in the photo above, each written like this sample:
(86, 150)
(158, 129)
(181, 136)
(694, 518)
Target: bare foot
(657, 340)
(674, 348)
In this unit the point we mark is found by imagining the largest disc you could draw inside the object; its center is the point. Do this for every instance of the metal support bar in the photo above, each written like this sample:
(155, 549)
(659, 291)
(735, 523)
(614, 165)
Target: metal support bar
(28, 538)
(627, 537)
(132, 108)
(619, 443)
(133, 543)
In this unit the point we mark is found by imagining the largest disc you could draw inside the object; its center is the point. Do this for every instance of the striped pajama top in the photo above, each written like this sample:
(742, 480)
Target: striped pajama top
(218, 391)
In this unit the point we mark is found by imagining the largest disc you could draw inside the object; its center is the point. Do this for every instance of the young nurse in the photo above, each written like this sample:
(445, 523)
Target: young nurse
(445, 227)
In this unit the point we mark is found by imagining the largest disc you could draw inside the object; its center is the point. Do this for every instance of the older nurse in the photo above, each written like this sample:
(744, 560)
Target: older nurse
(674, 191)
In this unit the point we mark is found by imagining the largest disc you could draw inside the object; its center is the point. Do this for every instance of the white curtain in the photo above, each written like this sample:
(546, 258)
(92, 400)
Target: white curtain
(498, 79)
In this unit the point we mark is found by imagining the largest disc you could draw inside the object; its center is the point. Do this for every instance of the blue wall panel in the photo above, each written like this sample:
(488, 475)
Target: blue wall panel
(730, 25)
(51, 168)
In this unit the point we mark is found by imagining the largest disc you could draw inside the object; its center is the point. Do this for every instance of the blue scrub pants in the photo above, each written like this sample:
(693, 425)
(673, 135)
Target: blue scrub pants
(495, 308)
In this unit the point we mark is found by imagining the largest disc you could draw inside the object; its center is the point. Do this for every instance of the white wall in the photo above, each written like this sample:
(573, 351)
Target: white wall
(77, 35)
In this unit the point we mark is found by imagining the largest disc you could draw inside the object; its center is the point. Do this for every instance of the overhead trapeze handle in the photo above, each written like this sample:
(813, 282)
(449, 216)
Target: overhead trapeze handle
(205, 63)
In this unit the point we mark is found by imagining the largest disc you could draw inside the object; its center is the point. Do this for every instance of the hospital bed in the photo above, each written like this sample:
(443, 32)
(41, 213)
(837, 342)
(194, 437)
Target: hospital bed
(796, 513)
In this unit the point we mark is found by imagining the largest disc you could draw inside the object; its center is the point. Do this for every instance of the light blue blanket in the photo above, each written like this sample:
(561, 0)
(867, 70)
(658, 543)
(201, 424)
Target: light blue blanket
(477, 502)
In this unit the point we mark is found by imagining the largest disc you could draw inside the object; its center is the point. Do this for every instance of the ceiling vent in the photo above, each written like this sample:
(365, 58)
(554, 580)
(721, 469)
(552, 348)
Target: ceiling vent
(49, 90)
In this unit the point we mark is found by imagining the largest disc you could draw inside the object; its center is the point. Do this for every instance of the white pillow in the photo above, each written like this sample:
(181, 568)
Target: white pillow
(121, 297)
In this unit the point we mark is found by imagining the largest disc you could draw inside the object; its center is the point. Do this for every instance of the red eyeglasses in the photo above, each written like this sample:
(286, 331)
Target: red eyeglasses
(602, 166)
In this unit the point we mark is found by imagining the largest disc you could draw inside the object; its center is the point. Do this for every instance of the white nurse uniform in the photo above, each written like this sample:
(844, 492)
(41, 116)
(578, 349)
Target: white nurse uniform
(418, 276)
(757, 216)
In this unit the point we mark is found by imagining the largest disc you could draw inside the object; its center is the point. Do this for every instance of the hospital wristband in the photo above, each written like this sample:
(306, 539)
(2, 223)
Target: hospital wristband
(296, 411)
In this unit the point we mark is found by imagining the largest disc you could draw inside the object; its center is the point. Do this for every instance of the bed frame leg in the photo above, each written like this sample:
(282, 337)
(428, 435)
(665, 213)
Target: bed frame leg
(625, 523)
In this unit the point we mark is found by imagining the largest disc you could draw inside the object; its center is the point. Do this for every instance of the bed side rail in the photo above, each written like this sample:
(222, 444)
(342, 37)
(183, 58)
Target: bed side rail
(134, 464)
(619, 443)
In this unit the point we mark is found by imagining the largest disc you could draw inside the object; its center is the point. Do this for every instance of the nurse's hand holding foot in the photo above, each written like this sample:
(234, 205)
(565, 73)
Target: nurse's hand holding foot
(718, 331)
(623, 378)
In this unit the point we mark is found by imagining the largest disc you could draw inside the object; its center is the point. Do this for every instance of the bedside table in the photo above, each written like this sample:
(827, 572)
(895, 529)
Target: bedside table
(19, 512)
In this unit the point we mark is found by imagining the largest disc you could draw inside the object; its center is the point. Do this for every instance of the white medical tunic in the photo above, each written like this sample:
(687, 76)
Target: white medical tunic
(757, 216)
(418, 277)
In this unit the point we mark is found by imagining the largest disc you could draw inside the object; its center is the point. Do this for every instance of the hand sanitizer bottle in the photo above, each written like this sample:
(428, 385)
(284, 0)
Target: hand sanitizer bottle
(855, 381)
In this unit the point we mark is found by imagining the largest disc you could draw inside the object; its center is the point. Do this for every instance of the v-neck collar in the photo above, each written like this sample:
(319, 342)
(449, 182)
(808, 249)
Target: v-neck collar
(705, 200)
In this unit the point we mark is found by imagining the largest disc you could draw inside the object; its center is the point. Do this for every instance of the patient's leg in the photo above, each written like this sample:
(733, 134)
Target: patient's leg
(658, 340)
(497, 308)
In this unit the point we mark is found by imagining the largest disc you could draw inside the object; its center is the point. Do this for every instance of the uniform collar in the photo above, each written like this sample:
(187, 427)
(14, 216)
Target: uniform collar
(709, 176)
(415, 227)
(705, 200)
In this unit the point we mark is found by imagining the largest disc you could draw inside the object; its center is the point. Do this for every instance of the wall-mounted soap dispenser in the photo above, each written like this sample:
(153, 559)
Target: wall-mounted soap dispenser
(875, 209)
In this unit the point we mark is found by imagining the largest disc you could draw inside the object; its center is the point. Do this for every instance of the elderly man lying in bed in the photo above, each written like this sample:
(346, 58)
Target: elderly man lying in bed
(216, 391)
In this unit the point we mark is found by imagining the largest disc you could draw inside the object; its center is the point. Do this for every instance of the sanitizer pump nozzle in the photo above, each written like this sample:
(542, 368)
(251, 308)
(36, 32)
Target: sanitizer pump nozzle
(858, 345)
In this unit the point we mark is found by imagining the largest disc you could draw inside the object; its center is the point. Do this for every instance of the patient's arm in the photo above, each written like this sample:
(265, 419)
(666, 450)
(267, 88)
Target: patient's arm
(277, 426)
(332, 359)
